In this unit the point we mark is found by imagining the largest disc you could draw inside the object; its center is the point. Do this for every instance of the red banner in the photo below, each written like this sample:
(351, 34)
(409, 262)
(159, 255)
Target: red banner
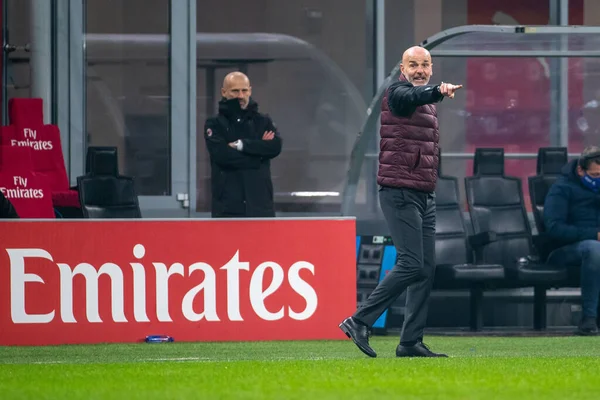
(217, 280)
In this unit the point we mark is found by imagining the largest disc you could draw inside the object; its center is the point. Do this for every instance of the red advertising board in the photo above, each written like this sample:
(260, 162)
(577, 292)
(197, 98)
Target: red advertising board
(206, 280)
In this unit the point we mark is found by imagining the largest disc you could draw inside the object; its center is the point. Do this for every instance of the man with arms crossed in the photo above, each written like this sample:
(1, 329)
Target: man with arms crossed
(241, 143)
(408, 167)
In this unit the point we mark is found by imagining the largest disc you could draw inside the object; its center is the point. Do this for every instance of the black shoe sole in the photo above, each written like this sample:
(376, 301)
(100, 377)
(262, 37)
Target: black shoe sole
(368, 351)
(420, 356)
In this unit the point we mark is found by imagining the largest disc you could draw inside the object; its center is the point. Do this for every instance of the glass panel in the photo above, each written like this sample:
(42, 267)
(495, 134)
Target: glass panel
(303, 75)
(491, 41)
(584, 101)
(511, 12)
(412, 21)
(127, 87)
(366, 208)
(408, 22)
(584, 118)
(590, 11)
(504, 103)
(17, 34)
(517, 12)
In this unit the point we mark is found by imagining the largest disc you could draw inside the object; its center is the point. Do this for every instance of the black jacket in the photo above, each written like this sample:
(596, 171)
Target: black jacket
(241, 180)
(571, 211)
(404, 98)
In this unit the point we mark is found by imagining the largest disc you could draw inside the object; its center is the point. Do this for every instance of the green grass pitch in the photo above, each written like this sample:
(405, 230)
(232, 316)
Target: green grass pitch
(479, 368)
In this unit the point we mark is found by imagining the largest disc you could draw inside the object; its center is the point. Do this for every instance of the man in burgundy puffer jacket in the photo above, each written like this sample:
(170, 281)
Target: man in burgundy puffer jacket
(408, 166)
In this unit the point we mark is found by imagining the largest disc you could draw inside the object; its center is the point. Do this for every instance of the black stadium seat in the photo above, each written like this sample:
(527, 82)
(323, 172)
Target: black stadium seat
(549, 164)
(104, 193)
(102, 160)
(108, 197)
(455, 267)
(496, 205)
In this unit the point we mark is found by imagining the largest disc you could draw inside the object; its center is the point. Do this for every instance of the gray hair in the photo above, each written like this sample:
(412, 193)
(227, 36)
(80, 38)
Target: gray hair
(585, 160)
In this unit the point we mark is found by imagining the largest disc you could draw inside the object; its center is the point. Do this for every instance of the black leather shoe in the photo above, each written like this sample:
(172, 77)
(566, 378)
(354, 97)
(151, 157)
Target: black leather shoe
(359, 334)
(588, 327)
(418, 350)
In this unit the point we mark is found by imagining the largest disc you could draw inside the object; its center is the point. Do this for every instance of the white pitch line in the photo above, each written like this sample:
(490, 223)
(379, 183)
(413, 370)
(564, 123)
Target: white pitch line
(193, 359)
(48, 362)
(174, 359)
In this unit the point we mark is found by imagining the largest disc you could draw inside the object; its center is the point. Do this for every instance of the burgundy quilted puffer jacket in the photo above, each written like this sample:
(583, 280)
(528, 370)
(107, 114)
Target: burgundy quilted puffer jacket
(408, 156)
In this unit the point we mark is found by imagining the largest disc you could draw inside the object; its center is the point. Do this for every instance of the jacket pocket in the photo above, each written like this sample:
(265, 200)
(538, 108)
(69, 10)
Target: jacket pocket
(418, 160)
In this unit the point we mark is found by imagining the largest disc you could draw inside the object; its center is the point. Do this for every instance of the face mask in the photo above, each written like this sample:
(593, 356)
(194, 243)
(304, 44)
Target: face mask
(591, 183)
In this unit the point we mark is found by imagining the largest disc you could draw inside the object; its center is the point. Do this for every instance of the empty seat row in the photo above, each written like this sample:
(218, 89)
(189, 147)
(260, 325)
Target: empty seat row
(102, 192)
(45, 160)
(502, 237)
(34, 178)
(28, 192)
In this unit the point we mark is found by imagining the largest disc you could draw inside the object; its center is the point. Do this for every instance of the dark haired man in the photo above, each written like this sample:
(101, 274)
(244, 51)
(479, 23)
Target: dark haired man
(572, 221)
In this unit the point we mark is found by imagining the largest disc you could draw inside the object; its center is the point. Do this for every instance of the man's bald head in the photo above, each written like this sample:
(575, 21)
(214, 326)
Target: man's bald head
(234, 78)
(416, 65)
(415, 51)
(236, 85)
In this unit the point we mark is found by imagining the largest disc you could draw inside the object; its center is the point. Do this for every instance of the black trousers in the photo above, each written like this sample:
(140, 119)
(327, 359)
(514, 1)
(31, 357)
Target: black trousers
(410, 215)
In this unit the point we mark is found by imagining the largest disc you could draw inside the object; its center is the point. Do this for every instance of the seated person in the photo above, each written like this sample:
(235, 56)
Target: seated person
(572, 221)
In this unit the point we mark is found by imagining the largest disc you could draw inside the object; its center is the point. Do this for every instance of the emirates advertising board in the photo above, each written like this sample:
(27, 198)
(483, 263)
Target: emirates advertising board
(70, 282)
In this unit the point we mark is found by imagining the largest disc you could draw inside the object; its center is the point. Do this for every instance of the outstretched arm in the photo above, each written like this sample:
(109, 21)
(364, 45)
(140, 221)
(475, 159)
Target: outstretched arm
(403, 97)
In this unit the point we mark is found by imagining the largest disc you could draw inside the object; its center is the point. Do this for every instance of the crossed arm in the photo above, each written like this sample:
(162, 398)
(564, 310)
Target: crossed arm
(244, 153)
